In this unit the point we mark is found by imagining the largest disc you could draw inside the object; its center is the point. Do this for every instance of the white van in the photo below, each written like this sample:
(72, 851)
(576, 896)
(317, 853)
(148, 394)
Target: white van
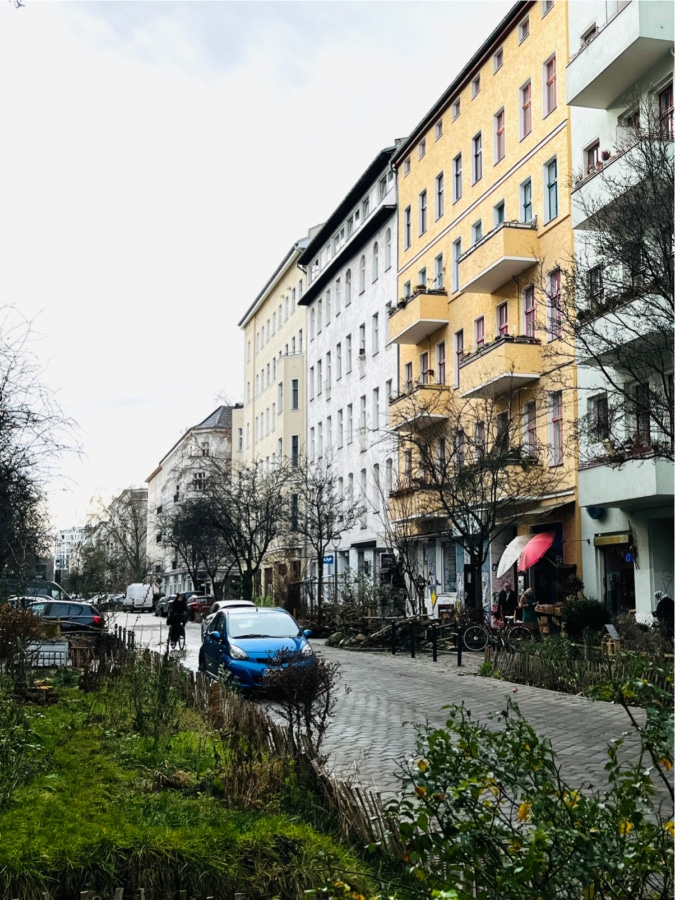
(139, 597)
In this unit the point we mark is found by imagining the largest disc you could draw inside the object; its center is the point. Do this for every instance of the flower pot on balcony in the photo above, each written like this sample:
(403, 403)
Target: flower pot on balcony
(605, 155)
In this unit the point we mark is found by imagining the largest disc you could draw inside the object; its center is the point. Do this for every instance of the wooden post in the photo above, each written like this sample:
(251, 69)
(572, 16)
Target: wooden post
(119, 893)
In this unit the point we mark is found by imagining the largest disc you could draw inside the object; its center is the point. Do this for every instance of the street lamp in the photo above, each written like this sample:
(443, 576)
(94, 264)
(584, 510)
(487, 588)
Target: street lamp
(335, 541)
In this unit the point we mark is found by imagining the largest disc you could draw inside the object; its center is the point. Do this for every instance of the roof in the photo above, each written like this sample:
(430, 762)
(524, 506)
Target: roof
(460, 81)
(325, 232)
(219, 418)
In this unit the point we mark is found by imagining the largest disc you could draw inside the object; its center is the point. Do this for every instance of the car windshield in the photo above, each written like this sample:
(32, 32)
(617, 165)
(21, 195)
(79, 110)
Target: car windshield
(271, 624)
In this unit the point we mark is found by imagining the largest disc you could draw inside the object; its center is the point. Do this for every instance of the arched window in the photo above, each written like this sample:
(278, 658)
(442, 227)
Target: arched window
(387, 249)
(348, 287)
(376, 261)
(362, 274)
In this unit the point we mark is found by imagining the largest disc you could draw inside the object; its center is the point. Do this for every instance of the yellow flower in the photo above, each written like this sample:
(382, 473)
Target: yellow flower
(440, 797)
(420, 790)
(670, 828)
(524, 811)
(423, 765)
(666, 763)
(515, 846)
(625, 827)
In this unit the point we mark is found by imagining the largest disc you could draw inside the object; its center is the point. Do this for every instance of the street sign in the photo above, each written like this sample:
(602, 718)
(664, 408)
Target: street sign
(328, 560)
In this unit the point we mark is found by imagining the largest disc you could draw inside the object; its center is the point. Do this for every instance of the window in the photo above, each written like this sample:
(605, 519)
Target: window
(499, 213)
(550, 89)
(350, 226)
(438, 271)
(280, 397)
(407, 227)
(530, 428)
(551, 196)
(348, 353)
(523, 29)
(477, 231)
(424, 368)
(666, 112)
(498, 59)
(477, 159)
(382, 188)
(328, 306)
(240, 439)
(376, 332)
(439, 196)
(319, 440)
(525, 110)
(459, 355)
(641, 414)
(407, 466)
(319, 377)
(553, 292)
(500, 136)
(406, 290)
(503, 319)
(365, 207)
(362, 274)
(338, 292)
(422, 149)
(479, 442)
(591, 157)
(422, 279)
(312, 444)
(376, 261)
(363, 421)
(456, 109)
(479, 327)
(340, 428)
(546, 6)
(635, 260)
(556, 427)
(350, 423)
(599, 418)
(295, 393)
(362, 340)
(387, 249)
(348, 287)
(338, 362)
(457, 178)
(502, 432)
(312, 323)
(438, 129)
(319, 316)
(475, 86)
(406, 166)
(376, 487)
(376, 408)
(588, 35)
(526, 201)
(328, 369)
(423, 212)
(440, 363)
(408, 376)
(460, 448)
(596, 288)
(311, 383)
(529, 310)
(456, 253)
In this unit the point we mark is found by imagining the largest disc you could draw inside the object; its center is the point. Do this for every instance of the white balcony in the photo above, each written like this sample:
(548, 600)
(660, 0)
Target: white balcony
(594, 194)
(636, 484)
(626, 47)
(609, 330)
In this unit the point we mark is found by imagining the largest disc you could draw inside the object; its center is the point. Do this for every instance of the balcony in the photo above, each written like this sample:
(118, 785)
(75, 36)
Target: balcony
(614, 328)
(634, 484)
(507, 364)
(503, 253)
(418, 317)
(420, 405)
(619, 54)
(595, 192)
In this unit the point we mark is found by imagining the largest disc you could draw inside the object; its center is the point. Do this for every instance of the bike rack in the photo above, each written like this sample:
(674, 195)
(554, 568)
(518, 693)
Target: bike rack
(434, 642)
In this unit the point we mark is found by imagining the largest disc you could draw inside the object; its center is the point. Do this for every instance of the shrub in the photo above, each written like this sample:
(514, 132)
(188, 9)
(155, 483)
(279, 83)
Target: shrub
(584, 613)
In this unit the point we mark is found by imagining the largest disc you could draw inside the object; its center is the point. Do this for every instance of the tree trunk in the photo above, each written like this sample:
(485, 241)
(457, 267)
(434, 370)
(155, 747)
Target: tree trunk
(319, 590)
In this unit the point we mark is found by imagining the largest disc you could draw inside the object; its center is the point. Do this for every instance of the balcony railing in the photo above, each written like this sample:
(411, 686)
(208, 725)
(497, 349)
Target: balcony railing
(499, 256)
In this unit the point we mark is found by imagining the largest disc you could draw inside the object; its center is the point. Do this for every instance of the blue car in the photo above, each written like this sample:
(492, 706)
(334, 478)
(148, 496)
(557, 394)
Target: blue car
(244, 642)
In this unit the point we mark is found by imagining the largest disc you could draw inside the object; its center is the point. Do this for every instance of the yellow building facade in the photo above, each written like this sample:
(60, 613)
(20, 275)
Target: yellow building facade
(485, 235)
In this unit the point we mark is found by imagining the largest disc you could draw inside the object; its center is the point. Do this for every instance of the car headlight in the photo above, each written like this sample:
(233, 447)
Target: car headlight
(237, 652)
(307, 651)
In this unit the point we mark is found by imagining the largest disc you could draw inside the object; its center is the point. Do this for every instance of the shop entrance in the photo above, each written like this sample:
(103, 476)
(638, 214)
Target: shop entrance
(618, 579)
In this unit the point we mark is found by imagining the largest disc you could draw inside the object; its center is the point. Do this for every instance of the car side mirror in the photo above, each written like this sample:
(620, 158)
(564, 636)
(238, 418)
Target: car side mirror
(307, 632)
(215, 635)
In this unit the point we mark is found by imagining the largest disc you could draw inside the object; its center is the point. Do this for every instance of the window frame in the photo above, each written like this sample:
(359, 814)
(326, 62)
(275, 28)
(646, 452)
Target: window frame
(550, 86)
(457, 178)
(526, 109)
(477, 158)
(499, 135)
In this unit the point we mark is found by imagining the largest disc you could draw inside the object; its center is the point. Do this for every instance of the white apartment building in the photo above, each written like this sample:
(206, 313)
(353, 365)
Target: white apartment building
(180, 475)
(621, 64)
(351, 271)
(66, 543)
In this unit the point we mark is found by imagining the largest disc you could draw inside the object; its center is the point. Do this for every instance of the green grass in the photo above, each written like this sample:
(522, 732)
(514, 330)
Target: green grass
(108, 806)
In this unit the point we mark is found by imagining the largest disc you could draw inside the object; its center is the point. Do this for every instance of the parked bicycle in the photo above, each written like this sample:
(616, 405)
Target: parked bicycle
(510, 635)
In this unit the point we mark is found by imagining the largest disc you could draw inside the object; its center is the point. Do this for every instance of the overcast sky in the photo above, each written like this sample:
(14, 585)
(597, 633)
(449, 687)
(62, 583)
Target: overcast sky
(158, 160)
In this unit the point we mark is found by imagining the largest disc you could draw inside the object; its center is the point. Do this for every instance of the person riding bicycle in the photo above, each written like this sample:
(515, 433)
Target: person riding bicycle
(177, 616)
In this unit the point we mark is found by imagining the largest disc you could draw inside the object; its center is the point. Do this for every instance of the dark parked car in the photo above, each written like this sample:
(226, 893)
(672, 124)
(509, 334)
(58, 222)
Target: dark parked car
(73, 616)
(162, 605)
(245, 642)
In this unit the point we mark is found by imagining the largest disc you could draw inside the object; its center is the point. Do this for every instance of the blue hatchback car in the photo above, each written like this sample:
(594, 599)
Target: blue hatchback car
(244, 642)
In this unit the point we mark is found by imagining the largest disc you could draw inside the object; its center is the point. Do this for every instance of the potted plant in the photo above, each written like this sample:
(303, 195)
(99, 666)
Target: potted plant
(605, 155)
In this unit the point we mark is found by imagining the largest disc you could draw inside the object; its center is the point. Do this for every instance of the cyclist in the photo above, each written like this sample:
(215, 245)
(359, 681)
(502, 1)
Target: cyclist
(176, 618)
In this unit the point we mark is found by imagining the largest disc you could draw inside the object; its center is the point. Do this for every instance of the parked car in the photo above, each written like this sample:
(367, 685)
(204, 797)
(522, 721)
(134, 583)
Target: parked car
(199, 605)
(222, 604)
(162, 605)
(33, 589)
(244, 643)
(73, 616)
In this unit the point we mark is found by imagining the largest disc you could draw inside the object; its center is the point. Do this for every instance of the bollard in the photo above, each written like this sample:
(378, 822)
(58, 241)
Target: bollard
(460, 638)
(434, 643)
(393, 638)
(412, 642)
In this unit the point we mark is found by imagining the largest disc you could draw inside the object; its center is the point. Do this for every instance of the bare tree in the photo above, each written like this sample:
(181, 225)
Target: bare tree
(471, 468)
(123, 526)
(33, 434)
(321, 512)
(618, 307)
